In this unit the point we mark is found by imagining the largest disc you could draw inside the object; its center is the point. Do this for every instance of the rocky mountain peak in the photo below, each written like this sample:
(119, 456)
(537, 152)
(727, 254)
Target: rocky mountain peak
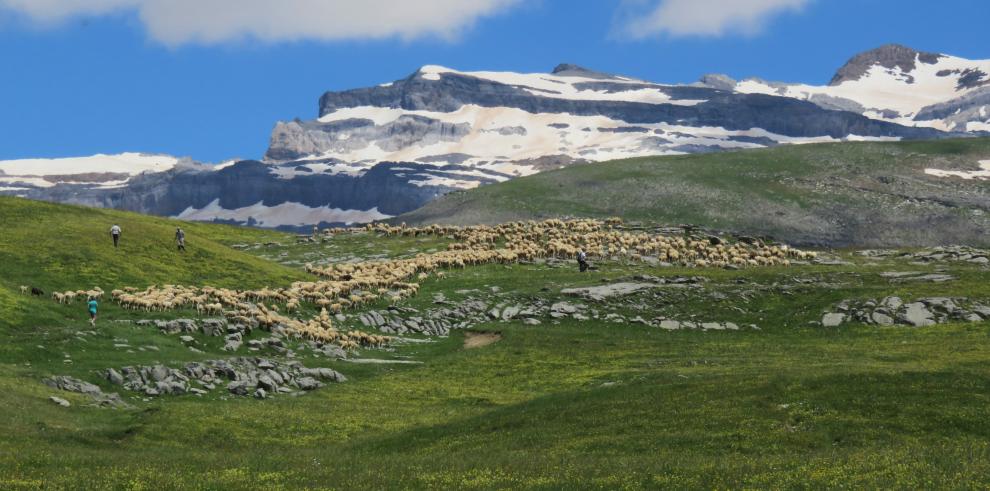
(718, 81)
(888, 56)
(572, 70)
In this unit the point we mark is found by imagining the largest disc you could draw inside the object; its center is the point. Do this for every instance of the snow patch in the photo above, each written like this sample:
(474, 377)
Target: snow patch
(317, 168)
(125, 163)
(983, 173)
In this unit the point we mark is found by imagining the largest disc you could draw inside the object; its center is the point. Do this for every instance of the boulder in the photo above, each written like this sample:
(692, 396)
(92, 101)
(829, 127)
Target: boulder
(159, 373)
(916, 314)
(214, 327)
(563, 308)
(115, 377)
(308, 383)
(510, 312)
(833, 319)
(892, 303)
(238, 387)
(265, 382)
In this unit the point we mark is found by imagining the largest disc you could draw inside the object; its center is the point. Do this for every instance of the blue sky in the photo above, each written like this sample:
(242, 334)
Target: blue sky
(143, 75)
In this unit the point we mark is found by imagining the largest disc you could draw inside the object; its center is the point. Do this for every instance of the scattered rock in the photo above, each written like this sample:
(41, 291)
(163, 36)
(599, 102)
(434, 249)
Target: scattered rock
(59, 401)
(70, 384)
(919, 313)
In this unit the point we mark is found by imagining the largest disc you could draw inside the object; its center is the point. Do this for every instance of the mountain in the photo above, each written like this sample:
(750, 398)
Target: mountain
(98, 171)
(381, 151)
(507, 122)
(866, 194)
(295, 195)
(896, 84)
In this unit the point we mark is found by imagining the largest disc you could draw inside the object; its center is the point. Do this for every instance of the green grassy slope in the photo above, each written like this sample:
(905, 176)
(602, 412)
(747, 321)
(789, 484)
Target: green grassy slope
(826, 194)
(568, 405)
(59, 247)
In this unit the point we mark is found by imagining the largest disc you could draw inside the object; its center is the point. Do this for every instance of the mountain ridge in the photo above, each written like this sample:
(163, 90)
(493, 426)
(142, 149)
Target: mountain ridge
(380, 151)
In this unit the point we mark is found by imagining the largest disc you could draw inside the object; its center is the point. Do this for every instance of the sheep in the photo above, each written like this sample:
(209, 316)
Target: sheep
(24, 289)
(341, 286)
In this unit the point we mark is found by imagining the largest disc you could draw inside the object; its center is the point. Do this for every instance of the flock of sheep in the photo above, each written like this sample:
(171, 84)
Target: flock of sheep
(564, 239)
(348, 286)
(68, 297)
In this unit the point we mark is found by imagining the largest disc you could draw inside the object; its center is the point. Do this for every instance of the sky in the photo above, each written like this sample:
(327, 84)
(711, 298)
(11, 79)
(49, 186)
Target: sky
(208, 79)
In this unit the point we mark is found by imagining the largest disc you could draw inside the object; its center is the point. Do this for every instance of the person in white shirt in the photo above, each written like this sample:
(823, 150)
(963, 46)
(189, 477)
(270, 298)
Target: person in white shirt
(115, 233)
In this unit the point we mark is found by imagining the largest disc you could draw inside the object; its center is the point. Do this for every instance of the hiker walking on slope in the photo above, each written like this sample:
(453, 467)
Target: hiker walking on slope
(92, 310)
(180, 239)
(115, 233)
(582, 258)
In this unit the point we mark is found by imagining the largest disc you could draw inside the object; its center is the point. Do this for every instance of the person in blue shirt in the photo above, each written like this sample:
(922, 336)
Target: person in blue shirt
(92, 311)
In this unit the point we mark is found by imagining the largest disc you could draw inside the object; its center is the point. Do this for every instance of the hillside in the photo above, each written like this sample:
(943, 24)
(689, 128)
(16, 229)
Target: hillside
(499, 375)
(836, 194)
(61, 247)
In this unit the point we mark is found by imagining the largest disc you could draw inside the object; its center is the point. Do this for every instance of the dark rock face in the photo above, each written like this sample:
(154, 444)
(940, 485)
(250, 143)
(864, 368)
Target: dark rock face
(570, 70)
(295, 140)
(972, 78)
(888, 56)
(718, 81)
(386, 186)
(959, 111)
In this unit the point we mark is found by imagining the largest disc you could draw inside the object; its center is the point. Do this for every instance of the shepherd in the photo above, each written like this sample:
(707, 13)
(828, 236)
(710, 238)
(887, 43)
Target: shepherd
(180, 239)
(115, 233)
(92, 311)
(582, 259)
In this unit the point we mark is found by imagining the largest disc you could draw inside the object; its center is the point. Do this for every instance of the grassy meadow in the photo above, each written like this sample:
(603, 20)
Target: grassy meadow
(567, 404)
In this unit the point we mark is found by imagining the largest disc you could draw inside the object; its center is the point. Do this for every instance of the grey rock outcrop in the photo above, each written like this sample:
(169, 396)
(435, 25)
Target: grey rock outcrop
(261, 377)
(922, 312)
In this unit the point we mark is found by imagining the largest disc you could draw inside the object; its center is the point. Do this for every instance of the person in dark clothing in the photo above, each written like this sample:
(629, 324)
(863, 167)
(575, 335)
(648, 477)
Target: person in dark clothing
(582, 261)
(115, 233)
(180, 239)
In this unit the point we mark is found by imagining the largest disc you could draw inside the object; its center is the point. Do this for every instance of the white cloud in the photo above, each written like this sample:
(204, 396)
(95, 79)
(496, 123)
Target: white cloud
(176, 22)
(714, 18)
(53, 11)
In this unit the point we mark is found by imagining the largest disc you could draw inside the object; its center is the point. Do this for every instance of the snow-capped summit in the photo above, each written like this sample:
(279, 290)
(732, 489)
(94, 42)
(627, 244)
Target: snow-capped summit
(897, 84)
(889, 56)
